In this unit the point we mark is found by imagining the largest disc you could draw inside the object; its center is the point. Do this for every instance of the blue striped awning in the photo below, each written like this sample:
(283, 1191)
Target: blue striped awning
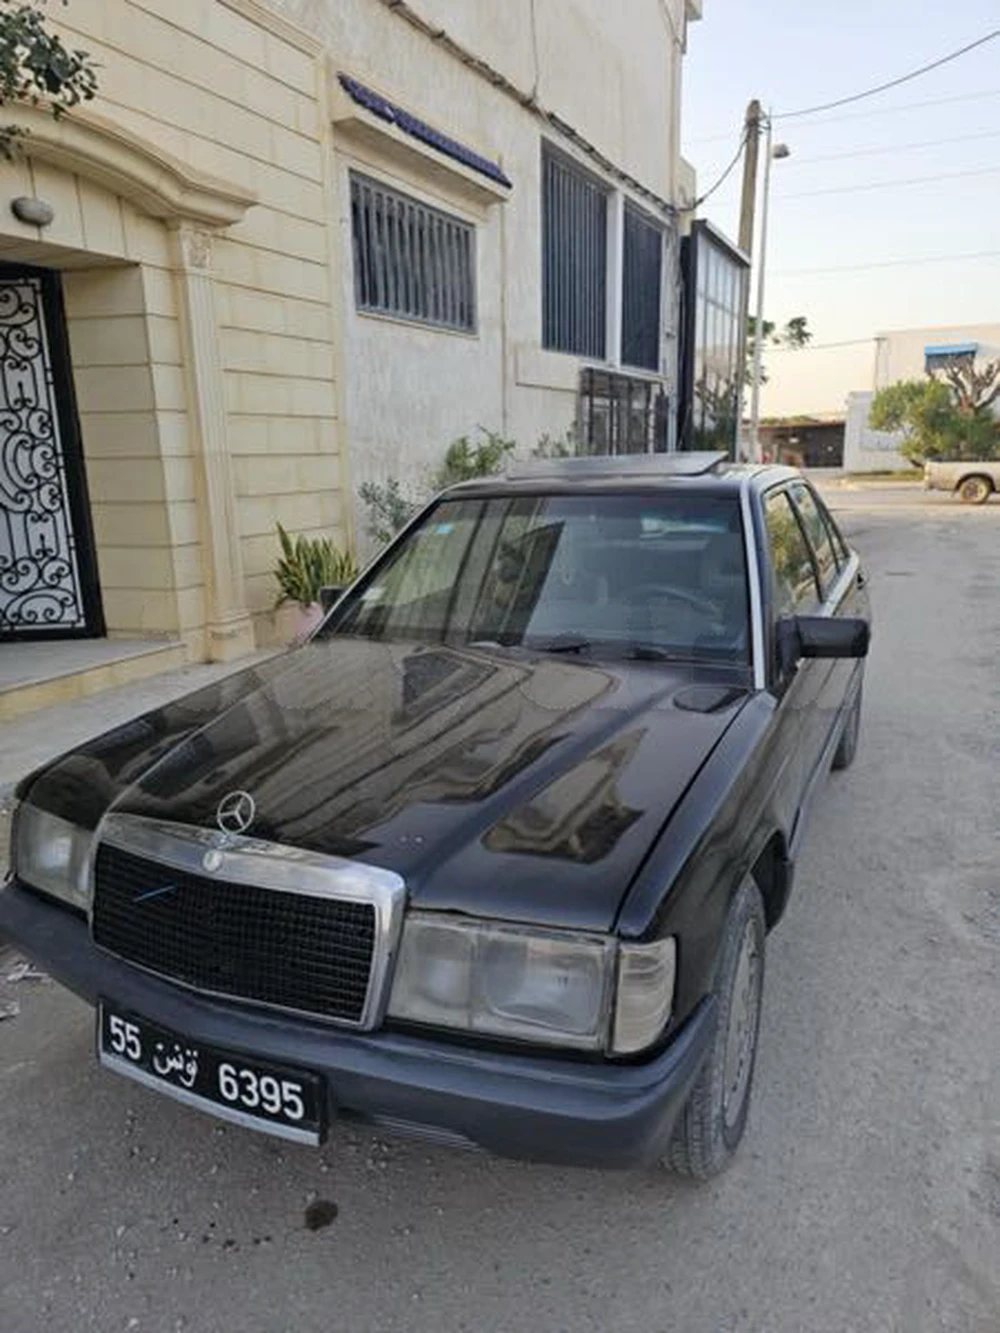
(952, 349)
(419, 129)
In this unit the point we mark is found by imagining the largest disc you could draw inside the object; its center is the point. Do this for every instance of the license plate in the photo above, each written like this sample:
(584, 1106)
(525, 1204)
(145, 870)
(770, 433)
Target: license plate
(274, 1098)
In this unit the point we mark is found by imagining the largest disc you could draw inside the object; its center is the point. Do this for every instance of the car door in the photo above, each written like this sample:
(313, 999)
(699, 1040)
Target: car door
(842, 585)
(796, 682)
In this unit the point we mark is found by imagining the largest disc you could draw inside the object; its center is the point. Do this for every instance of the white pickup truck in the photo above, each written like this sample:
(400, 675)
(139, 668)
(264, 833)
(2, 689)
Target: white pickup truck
(973, 482)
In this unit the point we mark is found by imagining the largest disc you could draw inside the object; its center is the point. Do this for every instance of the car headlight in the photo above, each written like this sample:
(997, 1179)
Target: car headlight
(508, 981)
(549, 987)
(52, 855)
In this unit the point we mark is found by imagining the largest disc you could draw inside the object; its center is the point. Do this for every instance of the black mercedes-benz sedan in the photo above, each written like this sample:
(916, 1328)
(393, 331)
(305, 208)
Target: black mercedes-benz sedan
(493, 857)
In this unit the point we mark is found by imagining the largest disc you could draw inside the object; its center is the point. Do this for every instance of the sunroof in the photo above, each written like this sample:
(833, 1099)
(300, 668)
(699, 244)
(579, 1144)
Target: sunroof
(686, 464)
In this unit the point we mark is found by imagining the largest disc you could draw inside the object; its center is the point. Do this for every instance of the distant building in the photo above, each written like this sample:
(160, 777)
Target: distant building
(907, 354)
(804, 441)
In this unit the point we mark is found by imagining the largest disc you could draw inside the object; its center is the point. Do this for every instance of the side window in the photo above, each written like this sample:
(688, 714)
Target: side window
(839, 545)
(795, 591)
(816, 531)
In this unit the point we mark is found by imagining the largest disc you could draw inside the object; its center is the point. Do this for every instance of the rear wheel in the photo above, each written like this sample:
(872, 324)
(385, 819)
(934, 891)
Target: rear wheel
(714, 1117)
(975, 490)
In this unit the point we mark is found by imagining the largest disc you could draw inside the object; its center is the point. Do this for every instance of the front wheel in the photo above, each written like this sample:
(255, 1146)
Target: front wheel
(714, 1117)
(848, 746)
(975, 490)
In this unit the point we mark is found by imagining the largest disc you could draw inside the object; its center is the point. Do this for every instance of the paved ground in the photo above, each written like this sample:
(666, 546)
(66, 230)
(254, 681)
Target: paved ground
(867, 1194)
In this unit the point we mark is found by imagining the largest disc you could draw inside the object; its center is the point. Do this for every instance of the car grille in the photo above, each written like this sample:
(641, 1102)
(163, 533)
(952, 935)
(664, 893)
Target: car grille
(287, 949)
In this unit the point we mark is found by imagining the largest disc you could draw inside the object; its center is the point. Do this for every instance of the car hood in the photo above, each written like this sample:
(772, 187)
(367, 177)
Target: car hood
(495, 782)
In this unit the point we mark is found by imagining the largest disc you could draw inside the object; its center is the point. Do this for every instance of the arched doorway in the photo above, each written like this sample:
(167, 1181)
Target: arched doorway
(48, 569)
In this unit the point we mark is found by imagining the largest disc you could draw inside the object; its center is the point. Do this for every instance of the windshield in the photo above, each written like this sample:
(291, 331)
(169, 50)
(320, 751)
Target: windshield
(632, 575)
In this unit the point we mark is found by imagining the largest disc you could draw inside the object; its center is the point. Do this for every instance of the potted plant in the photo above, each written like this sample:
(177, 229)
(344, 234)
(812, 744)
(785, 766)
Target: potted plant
(305, 567)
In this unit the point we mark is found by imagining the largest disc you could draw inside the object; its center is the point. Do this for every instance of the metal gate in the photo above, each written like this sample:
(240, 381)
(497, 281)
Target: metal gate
(48, 573)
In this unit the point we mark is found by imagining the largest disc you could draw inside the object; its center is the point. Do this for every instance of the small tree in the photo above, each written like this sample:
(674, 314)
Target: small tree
(36, 67)
(795, 333)
(389, 509)
(949, 414)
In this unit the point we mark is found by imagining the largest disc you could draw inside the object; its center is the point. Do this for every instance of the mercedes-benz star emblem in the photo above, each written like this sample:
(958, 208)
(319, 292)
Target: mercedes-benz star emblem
(236, 812)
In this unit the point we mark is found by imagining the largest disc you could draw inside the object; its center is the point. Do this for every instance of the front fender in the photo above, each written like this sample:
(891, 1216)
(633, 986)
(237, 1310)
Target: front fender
(730, 813)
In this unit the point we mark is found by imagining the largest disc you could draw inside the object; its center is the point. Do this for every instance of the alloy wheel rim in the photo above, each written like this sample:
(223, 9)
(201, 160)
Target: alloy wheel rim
(742, 1032)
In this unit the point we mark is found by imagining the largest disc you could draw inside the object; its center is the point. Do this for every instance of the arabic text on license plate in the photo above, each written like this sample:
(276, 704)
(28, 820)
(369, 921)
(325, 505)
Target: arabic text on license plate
(282, 1101)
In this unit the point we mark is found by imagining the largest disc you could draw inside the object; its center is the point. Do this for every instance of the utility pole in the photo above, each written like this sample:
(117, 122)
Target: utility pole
(758, 330)
(751, 146)
(773, 152)
(751, 134)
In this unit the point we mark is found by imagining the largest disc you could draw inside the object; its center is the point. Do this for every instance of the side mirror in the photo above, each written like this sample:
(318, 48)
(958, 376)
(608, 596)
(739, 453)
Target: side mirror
(831, 636)
(329, 594)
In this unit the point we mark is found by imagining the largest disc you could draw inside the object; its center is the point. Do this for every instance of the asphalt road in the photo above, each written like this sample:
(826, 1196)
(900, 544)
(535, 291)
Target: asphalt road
(866, 1195)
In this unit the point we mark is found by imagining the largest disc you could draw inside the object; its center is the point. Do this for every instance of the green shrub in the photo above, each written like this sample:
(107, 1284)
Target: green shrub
(557, 446)
(466, 460)
(390, 508)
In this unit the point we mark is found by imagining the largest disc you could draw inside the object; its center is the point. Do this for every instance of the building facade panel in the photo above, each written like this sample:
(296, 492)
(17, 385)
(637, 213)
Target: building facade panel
(243, 352)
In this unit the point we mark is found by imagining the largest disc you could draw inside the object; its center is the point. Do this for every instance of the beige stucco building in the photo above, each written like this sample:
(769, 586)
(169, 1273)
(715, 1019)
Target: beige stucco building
(299, 244)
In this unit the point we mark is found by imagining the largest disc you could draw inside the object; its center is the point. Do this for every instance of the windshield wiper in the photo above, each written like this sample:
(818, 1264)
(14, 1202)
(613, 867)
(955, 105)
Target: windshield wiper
(631, 652)
(562, 643)
(651, 652)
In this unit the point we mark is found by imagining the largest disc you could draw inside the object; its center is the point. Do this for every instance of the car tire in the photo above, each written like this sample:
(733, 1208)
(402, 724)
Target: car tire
(714, 1117)
(848, 745)
(975, 490)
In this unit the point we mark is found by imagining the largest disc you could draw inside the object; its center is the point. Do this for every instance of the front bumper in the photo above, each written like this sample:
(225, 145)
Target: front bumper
(525, 1106)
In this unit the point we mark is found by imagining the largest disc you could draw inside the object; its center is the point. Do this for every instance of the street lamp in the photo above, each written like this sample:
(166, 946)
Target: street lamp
(774, 152)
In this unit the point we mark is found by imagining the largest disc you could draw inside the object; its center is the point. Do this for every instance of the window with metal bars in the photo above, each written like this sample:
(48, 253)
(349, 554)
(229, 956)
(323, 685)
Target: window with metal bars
(574, 259)
(411, 261)
(621, 414)
(642, 268)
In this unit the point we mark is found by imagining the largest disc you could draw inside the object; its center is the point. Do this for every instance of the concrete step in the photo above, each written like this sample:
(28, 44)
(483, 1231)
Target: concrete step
(37, 675)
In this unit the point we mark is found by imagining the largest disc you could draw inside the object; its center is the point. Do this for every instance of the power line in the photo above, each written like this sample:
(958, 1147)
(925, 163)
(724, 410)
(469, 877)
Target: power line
(873, 111)
(689, 208)
(893, 148)
(884, 185)
(820, 347)
(853, 153)
(888, 263)
(892, 83)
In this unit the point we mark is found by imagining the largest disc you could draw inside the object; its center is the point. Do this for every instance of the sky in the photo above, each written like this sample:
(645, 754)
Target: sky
(793, 54)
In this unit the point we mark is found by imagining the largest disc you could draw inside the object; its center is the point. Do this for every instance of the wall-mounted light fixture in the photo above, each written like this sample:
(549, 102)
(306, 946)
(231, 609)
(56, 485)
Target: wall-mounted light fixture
(33, 212)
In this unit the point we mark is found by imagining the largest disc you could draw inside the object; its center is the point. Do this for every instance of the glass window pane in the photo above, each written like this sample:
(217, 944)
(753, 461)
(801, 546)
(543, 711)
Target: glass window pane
(819, 538)
(410, 260)
(641, 280)
(534, 570)
(574, 259)
(793, 581)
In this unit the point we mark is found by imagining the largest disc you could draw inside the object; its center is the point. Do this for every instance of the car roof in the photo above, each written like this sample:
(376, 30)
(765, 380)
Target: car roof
(689, 473)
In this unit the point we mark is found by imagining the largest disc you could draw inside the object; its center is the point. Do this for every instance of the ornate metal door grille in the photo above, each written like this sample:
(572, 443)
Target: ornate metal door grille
(48, 575)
